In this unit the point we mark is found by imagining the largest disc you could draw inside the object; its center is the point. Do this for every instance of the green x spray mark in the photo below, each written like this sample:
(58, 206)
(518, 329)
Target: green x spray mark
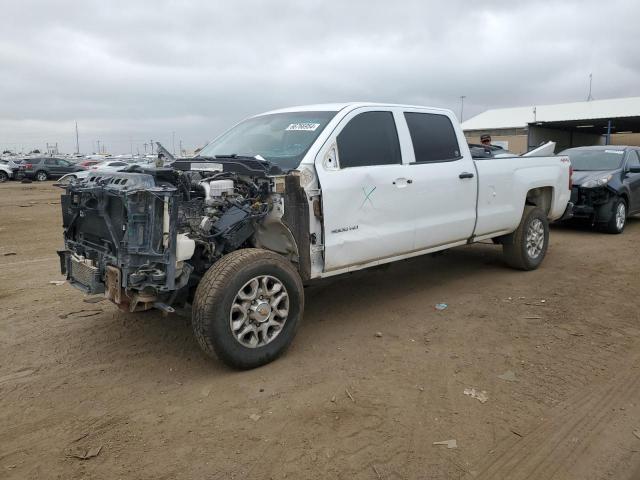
(367, 196)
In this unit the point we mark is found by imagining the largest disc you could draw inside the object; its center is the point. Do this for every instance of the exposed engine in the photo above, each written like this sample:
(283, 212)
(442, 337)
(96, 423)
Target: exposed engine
(219, 213)
(145, 237)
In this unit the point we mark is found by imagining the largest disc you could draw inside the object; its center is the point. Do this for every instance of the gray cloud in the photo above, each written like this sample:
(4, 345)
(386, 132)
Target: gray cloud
(131, 71)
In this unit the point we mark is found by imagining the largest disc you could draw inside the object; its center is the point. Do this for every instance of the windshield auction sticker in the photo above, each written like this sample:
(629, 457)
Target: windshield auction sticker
(303, 127)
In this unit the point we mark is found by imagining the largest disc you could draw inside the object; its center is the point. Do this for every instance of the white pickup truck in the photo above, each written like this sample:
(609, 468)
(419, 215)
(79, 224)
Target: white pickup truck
(293, 195)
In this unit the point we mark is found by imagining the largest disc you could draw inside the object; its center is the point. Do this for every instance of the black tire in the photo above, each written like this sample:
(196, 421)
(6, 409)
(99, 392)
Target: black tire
(3, 176)
(612, 225)
(515, 249)
(216, 294)
(41, 176)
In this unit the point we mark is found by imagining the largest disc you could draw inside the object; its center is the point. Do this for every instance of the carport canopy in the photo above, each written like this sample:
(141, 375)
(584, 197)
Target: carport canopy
(576, 133)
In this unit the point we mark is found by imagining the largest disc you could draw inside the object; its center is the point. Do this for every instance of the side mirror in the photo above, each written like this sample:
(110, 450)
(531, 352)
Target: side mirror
(634, 169)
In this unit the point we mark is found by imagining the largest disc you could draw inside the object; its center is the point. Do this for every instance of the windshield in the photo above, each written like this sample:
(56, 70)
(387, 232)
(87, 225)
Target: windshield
(281, 138)
(595, 159)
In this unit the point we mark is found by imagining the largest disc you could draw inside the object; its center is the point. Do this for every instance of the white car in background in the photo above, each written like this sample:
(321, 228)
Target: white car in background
(5, 172)
(102, 167)
(109, 166)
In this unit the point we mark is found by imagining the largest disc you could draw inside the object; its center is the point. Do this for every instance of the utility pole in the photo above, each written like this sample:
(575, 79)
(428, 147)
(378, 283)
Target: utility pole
(180, 147)
(590, 97)
(77, 141)
(151, 146)
(173, 143)
(462, 97)
(98, 145)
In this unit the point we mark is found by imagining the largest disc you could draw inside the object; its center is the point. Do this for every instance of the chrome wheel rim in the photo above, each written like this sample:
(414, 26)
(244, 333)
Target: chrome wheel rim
(621, 215)
(535, 238)
(42, 176)
(259, 311)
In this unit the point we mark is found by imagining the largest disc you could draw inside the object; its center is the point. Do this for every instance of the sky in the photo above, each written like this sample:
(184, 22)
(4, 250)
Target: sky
(129, 72)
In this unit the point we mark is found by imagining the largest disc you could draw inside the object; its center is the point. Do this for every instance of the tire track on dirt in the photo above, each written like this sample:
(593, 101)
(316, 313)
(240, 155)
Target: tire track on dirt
(564, 437)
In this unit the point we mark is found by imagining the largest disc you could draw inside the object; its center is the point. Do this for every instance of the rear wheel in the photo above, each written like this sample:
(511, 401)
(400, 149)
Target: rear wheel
(529, 242)
(3, 176)
(618, 218)
(41, 175)
(247, 308)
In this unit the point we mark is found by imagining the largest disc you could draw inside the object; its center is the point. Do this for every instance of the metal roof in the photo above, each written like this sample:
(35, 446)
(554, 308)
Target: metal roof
(520, 117)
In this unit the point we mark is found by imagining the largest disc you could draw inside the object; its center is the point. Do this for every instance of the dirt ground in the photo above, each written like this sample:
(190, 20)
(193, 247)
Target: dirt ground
(557, 352)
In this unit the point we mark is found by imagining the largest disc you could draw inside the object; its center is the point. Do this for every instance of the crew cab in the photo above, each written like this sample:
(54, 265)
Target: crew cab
(294, 195)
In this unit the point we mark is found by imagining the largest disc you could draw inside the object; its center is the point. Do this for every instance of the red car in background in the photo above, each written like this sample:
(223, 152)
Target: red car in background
(89, 163)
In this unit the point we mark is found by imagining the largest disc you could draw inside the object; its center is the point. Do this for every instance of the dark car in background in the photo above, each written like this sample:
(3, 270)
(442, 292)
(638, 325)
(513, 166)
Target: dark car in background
(606, 185)
(44, 168)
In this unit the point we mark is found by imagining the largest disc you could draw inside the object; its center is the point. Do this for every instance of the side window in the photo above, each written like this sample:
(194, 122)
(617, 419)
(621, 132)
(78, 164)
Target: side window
(634, 158)
(433, 137)
(50, 161)
(369, 138)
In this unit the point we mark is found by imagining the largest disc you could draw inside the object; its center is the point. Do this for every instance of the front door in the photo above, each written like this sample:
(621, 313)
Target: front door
(65, 167)
(364, 191)
(52, 167)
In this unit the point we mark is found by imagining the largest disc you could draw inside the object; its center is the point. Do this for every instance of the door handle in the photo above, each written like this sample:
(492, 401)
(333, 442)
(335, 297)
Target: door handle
(466, 175)
(402, 182)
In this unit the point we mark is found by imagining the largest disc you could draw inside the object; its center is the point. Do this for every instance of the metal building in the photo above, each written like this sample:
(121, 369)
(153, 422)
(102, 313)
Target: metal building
(596, 122)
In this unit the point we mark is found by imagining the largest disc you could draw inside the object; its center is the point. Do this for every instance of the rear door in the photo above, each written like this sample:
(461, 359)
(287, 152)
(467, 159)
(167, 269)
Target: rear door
(633, 180)
(445, 186)
(364, 185)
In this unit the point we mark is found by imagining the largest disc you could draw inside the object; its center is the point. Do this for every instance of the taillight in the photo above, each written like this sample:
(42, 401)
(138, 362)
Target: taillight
(28, 165)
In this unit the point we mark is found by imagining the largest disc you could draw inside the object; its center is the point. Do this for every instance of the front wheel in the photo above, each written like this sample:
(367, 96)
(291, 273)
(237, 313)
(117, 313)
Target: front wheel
(528, 244)
(618, 218)
(247, 308)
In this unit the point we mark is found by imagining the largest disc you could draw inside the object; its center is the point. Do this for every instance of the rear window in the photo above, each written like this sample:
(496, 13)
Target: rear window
(433, 137)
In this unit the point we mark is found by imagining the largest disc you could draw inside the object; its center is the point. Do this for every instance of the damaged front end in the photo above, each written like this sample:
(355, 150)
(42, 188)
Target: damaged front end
(594, 205)
(146, 236)
(121, 239)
